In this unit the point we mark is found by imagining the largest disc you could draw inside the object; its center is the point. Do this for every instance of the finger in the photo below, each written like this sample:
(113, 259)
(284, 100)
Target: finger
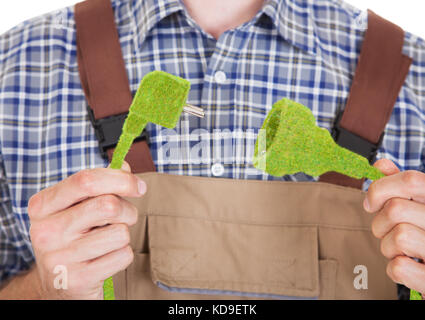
(397, 211)
(407, 185)
(404, 239)
(126, 166)
(96, 212)
(407, 271)
(97, 243)
(59, 231)
(82, 185)
(386, 166)
(109, 264)
(89, 276)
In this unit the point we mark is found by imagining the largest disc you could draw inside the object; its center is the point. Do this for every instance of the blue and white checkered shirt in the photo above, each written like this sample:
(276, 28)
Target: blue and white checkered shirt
(301, 49)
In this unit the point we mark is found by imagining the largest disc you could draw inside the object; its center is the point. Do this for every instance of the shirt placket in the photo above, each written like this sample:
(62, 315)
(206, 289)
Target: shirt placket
(218, 97)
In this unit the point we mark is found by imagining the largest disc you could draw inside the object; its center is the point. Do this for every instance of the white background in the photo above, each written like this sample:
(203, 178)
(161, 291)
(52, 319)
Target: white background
(409, 14)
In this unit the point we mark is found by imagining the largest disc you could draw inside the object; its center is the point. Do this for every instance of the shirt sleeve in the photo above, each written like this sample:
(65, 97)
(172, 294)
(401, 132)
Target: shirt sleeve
(15, 256)
(422, 168)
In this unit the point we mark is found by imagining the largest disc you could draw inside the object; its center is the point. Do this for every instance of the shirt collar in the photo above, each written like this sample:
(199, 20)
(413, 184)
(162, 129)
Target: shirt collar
(292, 19)
(148, 13)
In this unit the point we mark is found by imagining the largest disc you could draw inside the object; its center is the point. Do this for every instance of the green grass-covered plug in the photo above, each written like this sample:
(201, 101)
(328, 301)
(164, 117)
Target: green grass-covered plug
(160, 99)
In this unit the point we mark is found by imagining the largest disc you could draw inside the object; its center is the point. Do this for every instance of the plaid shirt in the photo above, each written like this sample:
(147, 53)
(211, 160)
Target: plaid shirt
(301, 49)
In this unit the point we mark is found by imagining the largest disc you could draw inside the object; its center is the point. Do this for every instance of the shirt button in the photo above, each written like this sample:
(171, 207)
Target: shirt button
(220, 77)
(217, 169)
(361, 20)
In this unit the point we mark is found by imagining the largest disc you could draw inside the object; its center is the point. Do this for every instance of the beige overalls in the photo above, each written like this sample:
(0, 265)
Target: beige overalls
(209, 238)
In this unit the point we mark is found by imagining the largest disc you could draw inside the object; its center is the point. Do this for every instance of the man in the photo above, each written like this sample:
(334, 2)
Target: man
(240, 56)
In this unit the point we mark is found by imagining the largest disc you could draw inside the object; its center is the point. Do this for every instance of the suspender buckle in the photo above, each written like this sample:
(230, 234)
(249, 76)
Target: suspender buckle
(108, 131)
(355, 143)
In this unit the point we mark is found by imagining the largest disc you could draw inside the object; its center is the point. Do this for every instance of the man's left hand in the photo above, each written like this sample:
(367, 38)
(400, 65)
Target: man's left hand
(399, 203)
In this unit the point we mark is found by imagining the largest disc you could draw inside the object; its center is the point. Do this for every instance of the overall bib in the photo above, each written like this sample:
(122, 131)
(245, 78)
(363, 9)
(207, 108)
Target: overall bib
(210, 238)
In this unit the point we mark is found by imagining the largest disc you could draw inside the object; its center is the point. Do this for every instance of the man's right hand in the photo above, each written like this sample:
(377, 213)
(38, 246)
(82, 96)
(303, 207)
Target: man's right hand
(82, 224)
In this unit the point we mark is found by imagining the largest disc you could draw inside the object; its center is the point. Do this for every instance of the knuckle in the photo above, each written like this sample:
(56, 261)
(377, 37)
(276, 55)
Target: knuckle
(122, 233)
(375, 228)
(390, 272)
(411, 179)
(394, 209)
(401, 236)
(396, 269)
(134, 216)
(372, 189)
(33, 231)
(41, 234)
(129, 183)
(383, 249)
(109, 205)
(34, 205)
(372, 193)
(128, 256)
(85, 180)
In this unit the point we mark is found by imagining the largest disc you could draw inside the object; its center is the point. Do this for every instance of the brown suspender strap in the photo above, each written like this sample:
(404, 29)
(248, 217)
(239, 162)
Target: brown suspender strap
(380, 74)
(103, 74)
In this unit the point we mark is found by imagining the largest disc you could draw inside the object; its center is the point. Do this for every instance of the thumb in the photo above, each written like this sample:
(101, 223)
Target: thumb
(386, 166)
(125, 166)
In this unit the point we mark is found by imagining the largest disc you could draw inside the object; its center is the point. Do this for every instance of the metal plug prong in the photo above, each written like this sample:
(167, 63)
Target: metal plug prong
(196, 111)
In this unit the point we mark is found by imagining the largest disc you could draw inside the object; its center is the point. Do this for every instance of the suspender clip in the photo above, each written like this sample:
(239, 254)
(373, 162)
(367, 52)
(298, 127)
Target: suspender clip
(355, 143)
(108, 131)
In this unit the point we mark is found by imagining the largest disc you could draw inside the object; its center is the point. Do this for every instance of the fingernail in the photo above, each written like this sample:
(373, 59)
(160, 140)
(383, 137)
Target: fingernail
(366, 205)
(125, 166)
(142, 186)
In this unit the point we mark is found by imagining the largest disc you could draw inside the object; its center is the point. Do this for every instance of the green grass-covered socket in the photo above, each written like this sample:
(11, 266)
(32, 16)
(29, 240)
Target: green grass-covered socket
(290, 142)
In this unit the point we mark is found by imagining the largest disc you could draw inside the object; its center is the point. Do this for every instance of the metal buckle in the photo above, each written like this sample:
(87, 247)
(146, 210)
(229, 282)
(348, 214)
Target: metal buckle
(108, 131)
(353, 142)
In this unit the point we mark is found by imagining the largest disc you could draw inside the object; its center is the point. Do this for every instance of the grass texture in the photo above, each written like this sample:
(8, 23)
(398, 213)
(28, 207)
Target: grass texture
(159, 99)
(290, 142)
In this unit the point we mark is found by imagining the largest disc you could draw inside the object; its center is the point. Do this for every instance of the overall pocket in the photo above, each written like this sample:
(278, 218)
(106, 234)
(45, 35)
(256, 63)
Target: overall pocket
(200, 256)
